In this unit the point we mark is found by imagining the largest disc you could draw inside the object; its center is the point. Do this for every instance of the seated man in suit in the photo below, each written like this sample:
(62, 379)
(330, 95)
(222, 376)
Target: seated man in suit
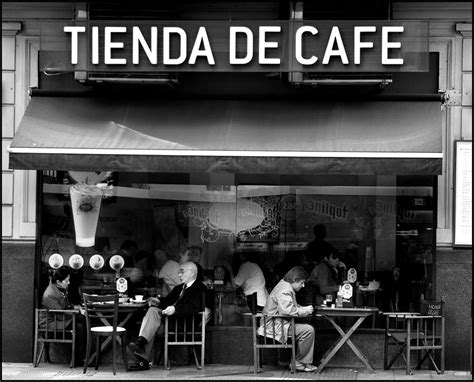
(184, 300)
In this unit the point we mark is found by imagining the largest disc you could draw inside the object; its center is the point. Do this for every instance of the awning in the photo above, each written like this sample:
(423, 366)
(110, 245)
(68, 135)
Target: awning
(240, 136)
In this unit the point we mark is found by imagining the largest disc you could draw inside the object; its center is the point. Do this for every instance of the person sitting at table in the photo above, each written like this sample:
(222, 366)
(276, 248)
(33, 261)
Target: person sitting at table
(193, 253)
(326, 278)
(250, 277)
(184, 300)
(282, 301)
(55, 296)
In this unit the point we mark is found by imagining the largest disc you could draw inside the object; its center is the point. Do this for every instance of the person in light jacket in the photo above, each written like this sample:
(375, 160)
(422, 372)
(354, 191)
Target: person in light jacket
(282, 301)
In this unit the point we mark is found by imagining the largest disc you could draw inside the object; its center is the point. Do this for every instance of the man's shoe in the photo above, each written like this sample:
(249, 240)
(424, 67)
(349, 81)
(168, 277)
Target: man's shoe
(140, 365)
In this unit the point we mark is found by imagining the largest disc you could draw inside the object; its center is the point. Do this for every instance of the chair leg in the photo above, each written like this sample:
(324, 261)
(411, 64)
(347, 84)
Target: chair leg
(124, 353)
(97, 351)
(37, 359)
(46, 352)
(114, 352)
(73, 351)
(35, 351)
(203, 354)
(385, 353)
(196, 360)
(293, 357)
(88, 351)
(165, 359)
(408, 372)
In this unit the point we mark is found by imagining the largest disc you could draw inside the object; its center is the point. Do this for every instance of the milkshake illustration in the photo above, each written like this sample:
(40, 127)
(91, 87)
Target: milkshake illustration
(85, 200)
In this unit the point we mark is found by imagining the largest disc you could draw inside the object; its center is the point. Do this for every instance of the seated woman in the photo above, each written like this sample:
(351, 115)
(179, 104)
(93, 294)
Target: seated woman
(56, 297)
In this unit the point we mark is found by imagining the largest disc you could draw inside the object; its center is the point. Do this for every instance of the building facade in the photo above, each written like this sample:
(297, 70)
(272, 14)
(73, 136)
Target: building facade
(370, 206)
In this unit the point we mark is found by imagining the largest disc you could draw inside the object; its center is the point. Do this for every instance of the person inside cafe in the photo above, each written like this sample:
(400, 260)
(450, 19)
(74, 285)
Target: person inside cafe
(169, 273)
(282, 301)
(184, 300)
(326, 277)
(250, 277)
(56, 296)
(145, 271)
(318, 247)
(229, 305)
(128, 250)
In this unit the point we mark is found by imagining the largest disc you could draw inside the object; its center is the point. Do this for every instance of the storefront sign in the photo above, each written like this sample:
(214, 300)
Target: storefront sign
(277, 45)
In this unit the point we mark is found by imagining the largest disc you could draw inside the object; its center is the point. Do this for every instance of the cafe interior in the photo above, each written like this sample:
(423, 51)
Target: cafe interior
(382, 227)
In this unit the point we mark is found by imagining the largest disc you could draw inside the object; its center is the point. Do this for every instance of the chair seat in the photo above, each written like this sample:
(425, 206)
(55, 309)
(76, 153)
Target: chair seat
(269, 340)
(107, 329)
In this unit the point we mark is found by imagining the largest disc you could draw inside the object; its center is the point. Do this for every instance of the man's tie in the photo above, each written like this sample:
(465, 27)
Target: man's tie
(180, 294)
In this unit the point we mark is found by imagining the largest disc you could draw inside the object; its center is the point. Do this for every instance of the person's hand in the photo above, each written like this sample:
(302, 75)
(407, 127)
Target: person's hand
(340, 264)
(154, 301)
(309, 309)
(169, 311)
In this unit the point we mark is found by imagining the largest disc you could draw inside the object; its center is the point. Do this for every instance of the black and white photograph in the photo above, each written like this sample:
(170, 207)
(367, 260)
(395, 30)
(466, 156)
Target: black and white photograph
(237, 190)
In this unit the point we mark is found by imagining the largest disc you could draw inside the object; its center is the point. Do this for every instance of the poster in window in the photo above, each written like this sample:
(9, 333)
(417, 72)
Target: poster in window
(463, 194)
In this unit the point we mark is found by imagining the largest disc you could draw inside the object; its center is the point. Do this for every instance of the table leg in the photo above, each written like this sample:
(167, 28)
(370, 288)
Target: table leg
(345, 337)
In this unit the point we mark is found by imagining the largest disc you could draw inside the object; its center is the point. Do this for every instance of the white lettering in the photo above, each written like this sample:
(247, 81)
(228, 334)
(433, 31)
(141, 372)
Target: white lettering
(299, 45)
(95, 45)
(109, 45)
(263, 45)
(74, 41)
(335, 37)
(358, 44)
(386, 45)
(202, 38)
(139, 40)
(233, 60)
(167, 60)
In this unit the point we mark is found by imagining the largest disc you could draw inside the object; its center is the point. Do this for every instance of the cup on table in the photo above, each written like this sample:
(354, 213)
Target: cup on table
(138, 297)
(328, 300)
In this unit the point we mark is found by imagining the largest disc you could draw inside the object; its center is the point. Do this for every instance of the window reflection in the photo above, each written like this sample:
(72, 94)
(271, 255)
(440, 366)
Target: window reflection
(380, 226)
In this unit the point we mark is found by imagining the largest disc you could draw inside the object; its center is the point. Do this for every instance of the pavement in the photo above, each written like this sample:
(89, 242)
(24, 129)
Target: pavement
(45, 371)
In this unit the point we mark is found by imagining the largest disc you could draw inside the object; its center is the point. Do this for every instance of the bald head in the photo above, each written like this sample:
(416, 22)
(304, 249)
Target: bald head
(188, 272)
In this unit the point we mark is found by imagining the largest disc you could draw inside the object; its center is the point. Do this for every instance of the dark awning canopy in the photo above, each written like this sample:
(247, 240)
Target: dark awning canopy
(239, 136)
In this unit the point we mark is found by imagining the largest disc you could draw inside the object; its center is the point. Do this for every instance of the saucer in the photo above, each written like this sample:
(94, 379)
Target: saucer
(136, 301)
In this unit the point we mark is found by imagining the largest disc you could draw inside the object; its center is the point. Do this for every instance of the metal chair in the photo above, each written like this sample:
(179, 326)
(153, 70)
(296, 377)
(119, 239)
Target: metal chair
(269, 341)
(186, 331)
(54, 326)
(414, 332)
(99, 311)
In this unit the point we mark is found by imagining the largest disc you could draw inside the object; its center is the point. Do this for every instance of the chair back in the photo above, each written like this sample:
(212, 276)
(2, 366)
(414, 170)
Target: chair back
(51, 324)
(187, 331)
(416, 332)
(272, 338)
(54, 326)
(101, 307)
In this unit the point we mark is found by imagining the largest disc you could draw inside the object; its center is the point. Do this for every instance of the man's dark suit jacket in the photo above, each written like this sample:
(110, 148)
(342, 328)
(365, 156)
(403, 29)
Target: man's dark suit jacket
(190, 303)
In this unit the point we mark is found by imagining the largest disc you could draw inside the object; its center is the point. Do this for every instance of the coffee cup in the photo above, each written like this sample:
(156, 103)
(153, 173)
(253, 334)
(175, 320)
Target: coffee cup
(138, 297)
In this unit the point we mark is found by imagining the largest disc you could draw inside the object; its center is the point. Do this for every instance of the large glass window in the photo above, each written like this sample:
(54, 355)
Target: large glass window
(383, 227)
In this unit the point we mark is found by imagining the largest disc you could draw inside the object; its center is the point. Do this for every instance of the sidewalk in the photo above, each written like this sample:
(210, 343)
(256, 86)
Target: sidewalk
(26, 371)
